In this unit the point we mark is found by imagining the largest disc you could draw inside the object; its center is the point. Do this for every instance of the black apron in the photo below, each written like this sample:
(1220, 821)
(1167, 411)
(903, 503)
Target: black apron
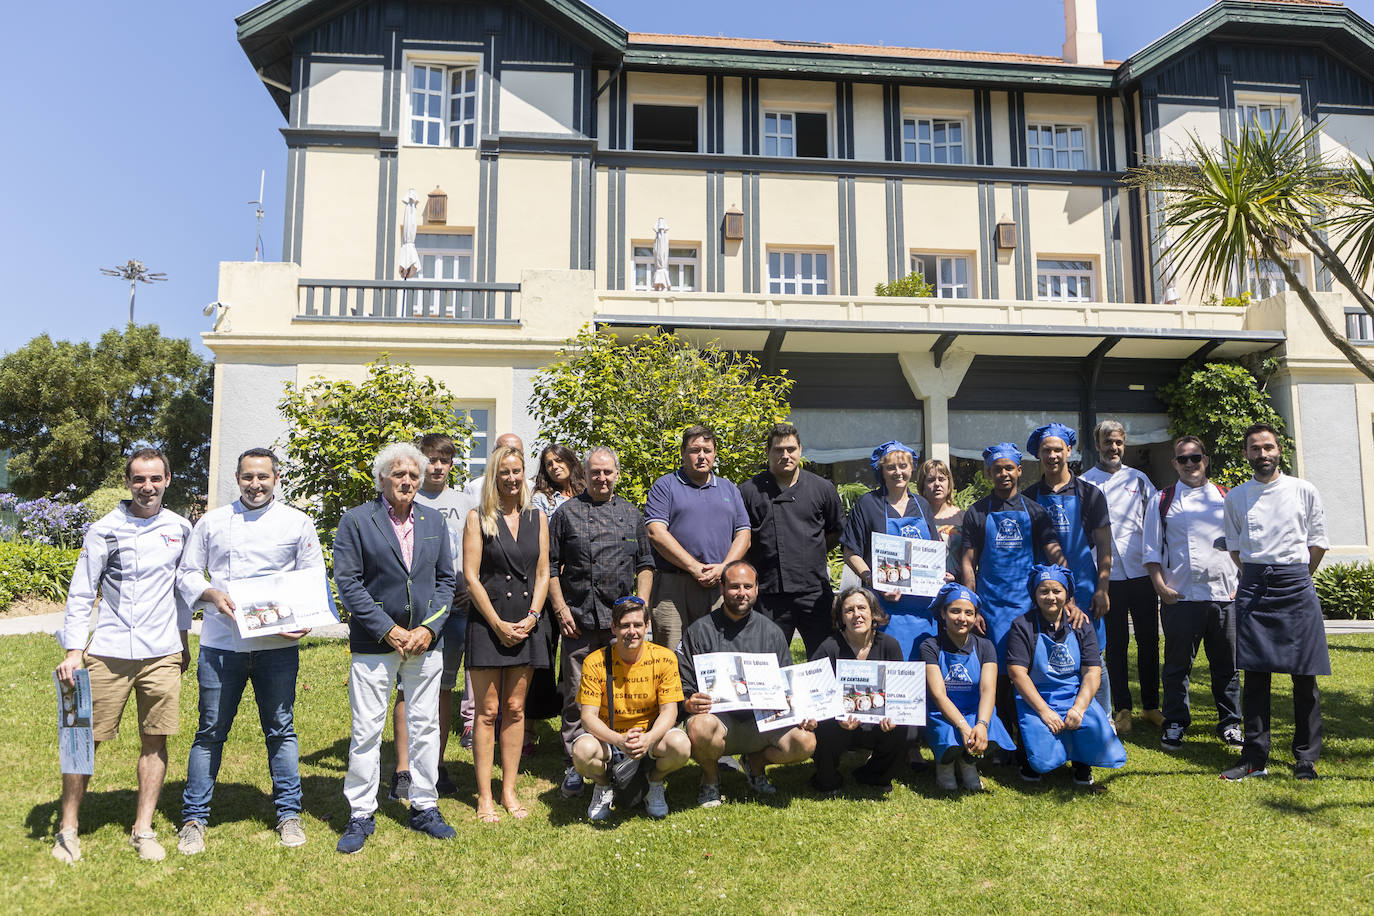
(1279, 623)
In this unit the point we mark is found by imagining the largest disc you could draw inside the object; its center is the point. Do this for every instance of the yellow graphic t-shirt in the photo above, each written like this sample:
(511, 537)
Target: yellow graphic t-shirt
(640, 689)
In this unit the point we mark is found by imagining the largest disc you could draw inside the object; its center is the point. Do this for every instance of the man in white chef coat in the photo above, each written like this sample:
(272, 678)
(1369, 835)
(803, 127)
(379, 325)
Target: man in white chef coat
(256, 535)
(1185, 553)
(1276, 533)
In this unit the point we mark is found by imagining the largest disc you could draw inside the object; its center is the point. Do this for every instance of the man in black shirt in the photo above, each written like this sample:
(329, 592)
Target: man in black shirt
(598, 551)
(796, 517)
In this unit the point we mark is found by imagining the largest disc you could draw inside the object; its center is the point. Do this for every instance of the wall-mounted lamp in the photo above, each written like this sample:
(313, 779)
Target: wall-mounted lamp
(734, 224)
(1006, 235)
(436, 208)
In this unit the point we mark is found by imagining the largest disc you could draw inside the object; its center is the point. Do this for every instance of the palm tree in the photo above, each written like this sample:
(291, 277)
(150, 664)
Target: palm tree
(1255, 197)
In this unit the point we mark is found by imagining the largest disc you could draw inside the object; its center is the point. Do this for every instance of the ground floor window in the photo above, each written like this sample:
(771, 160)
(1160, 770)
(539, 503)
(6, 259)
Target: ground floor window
(481, 437)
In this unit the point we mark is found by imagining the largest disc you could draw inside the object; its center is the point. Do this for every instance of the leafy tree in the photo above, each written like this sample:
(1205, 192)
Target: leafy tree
(912, 284)
(70, 412)
(1256, 198)
(1217, 402)
(638, 397)
(336, 428)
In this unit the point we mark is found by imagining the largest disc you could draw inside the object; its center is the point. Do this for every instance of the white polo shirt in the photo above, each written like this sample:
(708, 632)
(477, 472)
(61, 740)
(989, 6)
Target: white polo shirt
(233, 542)
(130, 564)
(1190, 544)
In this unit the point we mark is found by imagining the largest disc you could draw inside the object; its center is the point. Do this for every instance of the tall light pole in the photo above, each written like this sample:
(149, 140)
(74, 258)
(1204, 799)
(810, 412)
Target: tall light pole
(134, 272)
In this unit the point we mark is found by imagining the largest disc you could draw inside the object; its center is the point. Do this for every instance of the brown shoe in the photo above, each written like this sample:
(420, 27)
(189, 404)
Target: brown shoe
(1122, 720)
(1154, 717)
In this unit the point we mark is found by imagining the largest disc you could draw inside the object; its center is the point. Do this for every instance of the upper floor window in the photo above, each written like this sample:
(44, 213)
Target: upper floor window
(948, 273)
(443, 256)
(443, 105)
(936, 140)
(1359, 326)
(1056, 146)
(796, 133)
(804, 273)
(1264, 278)
(667, 128)
(1266, 117)
(1064, 280)
(682, 268)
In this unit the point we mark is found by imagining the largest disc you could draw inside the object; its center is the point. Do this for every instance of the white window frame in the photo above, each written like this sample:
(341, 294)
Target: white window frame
(1263, 279)
(445, 265)
(1255, 106)
(643, 259)
(476, 462)
(1054, 267)
(802, 282)
(1065, 129)
(791, 112)
(446, 96)
(912, 146)
(951, 288)
(1359, 326)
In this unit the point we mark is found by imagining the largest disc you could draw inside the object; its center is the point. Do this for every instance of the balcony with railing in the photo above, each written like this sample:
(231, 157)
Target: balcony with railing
(421, 301)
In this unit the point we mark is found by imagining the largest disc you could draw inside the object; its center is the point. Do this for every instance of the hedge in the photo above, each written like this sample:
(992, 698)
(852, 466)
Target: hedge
(29, 570)
(1346, 590)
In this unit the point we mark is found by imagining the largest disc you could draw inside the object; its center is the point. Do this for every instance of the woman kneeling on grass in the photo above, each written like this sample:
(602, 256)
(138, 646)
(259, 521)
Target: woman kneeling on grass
(961, 690)
(1056, 669)
(856, 615)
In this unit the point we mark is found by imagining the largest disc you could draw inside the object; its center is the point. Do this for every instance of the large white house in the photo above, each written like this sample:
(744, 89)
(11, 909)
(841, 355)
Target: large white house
(545, 141)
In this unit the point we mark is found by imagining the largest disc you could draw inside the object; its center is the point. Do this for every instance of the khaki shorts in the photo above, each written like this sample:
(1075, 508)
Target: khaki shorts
(156, 684)
(742, 735)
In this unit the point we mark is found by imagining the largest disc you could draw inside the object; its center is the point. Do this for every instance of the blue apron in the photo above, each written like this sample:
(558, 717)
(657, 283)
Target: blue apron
(962, 674)
(1055, 674)
(1003, 570)
(909, 618)
(1066, 513)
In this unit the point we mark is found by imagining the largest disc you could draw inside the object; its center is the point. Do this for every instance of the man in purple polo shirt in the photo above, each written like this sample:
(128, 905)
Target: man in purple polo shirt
(697, 525)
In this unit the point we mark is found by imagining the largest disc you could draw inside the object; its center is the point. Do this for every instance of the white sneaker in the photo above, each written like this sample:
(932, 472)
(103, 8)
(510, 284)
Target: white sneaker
(191, 838)
(147, 846)
(944, 776)
(600, 808)
(66, 846)
(968, 775)
(654, 802)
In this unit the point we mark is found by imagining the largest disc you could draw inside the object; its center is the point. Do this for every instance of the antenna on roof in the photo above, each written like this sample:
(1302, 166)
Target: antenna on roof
(257, 244)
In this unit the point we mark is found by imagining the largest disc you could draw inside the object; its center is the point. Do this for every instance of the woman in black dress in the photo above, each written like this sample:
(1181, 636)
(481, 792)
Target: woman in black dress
(506, 564)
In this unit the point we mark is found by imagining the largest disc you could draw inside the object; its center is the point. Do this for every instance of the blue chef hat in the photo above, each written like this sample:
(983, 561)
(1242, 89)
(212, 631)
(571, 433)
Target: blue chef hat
(950, 592)
(1056, 430)
(1043, 573)
(882, 451)
(1001, 450)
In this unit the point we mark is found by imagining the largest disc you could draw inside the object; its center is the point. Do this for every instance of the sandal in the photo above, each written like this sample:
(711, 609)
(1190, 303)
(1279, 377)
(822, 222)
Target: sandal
(488, 817)
(519, 812)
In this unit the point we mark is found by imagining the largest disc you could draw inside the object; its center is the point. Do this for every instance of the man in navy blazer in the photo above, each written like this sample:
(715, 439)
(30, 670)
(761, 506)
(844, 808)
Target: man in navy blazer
(394, 572)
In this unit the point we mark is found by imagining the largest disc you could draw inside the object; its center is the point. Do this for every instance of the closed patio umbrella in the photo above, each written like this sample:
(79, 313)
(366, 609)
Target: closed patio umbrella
(660, 280)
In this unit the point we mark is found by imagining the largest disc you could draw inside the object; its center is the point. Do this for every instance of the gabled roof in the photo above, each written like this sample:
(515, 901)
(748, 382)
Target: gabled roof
(1288, 21)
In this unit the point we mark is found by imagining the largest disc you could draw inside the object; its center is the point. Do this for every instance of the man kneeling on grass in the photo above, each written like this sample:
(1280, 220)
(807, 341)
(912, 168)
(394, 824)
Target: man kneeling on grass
(733, 627)
(633, 714)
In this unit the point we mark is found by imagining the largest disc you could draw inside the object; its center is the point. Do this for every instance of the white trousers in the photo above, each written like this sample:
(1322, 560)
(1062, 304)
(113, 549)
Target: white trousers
(370, 680)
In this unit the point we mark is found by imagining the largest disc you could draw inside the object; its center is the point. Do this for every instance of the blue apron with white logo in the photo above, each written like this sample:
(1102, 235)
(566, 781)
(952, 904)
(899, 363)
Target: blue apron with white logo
(962, 675)
(1066, 514)
(909, 620)
(1055, 674)
(1003, 570)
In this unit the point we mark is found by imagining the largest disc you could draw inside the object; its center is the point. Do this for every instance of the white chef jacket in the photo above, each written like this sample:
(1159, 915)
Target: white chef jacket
(131, 563)
(1275, 522)
(1191, 548)
(233, 542)
(1129, 493)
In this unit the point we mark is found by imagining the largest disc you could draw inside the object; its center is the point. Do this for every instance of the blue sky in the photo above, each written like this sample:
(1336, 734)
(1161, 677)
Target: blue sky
(145, 136)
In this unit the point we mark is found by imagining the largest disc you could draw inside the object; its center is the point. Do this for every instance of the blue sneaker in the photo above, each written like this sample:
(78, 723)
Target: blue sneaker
(356, 834)
(431, 822)
(572, 783)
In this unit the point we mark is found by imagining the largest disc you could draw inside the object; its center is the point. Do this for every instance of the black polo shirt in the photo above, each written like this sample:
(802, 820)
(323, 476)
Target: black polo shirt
(1025, 635)
(976, 516)
(789, 528)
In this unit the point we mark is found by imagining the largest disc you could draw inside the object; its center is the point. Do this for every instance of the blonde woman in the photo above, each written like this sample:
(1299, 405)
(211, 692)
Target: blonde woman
(506, 564)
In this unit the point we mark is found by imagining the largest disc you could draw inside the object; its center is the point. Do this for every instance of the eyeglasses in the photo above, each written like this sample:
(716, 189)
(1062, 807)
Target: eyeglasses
(629, 601)
(1194, 458)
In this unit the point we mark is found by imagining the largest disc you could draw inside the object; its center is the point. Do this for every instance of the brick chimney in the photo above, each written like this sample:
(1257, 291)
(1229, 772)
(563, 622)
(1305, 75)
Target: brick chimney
(1082, 40)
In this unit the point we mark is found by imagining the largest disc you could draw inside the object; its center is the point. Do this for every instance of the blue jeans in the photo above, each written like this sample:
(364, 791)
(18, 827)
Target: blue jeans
(222, 676)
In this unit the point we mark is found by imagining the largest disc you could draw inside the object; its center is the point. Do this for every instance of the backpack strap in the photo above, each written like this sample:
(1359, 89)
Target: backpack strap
(1166, 499)
(610, 692)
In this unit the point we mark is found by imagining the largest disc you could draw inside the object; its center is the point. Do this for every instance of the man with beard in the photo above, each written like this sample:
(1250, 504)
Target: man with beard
(734, 627)
(1276, 533)
(1131, 594)
(256, 535)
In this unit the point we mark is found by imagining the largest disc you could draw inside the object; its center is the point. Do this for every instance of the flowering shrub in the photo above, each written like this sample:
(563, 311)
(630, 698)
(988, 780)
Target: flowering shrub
(53, 521)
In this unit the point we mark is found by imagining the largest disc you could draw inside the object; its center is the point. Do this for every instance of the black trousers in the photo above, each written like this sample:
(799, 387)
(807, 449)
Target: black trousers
(807, 614)
(1307, 718)
(832, 741)
(1133, 600)
(1187, 625)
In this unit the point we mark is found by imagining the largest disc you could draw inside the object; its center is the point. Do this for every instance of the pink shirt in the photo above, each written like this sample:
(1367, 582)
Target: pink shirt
(405, 532)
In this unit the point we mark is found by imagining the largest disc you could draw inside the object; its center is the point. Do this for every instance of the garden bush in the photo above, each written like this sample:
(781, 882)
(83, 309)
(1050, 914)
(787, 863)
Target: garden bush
(29, 570)
(1346, 591)
(103, 501)
(48, 520)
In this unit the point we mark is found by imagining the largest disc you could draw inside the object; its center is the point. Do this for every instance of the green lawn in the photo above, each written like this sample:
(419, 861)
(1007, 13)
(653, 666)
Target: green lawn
(1166, 837)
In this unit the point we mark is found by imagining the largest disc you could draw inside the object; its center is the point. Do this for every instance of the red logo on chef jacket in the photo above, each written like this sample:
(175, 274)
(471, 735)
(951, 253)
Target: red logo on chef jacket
(168, 540)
